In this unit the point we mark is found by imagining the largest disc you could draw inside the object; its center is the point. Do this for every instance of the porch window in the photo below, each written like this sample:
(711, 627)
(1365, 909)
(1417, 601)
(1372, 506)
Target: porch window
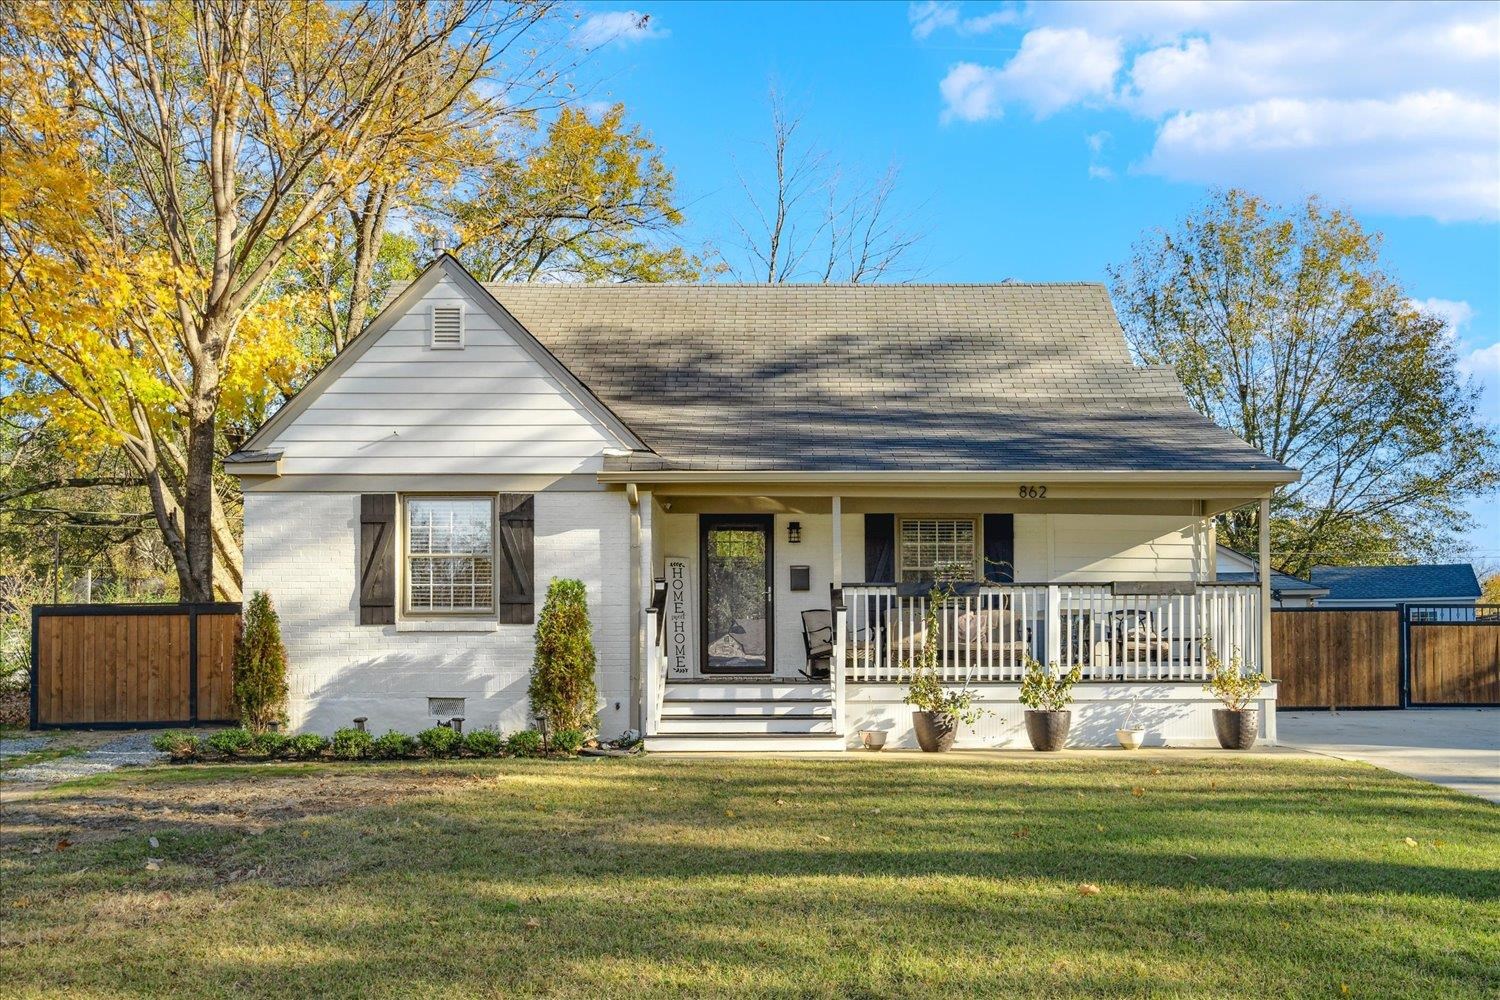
(937, 550)
(450, 554)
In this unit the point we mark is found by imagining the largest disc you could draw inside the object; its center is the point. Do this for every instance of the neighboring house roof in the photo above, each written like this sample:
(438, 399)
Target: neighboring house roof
(1281, 583)
(1433, 581)
(874, 377)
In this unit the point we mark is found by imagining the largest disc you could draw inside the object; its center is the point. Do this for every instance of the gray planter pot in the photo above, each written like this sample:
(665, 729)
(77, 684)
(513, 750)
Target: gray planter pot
(1237, 730)
(1048, 730)
(935, 732)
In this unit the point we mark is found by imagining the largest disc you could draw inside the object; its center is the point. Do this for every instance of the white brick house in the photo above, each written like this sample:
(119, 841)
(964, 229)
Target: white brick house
(769, 451)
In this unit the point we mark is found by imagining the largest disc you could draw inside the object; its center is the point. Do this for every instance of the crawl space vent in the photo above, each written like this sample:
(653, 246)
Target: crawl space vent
(445, 708)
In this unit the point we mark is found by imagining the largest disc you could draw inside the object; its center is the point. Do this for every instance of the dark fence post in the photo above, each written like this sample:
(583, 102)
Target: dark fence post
(1405, 659)
(193, 665)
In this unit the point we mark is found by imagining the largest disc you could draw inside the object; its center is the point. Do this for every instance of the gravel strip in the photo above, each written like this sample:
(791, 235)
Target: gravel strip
(130, 750)
(21, 745)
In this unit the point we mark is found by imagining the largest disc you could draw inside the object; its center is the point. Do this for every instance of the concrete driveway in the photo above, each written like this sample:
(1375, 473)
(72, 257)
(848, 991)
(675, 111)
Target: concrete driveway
(1456, 747)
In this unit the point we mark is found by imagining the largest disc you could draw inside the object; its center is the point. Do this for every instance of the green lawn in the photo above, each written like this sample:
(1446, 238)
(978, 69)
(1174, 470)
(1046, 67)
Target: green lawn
(1217, 876)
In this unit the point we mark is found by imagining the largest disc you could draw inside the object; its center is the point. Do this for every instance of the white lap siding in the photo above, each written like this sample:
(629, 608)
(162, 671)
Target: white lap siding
(302, 549)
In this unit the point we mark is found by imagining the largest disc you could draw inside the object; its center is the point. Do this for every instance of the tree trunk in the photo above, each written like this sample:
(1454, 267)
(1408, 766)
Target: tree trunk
(198, 488)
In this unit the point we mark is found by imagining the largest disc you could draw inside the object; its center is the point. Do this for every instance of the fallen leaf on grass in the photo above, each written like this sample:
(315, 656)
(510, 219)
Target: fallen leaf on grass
(1088, 889)
(153, 864)
(729, 813)
(21, 903)
(825, 839)
(1137, 791)
(306, 834)
(1156, 770)
(781, 802)
(532, 923)
(1409, 842)
(1021, 832)
(63, 844)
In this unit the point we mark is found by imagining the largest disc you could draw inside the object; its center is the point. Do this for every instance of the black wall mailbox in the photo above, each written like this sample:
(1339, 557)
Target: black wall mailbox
(802, 578)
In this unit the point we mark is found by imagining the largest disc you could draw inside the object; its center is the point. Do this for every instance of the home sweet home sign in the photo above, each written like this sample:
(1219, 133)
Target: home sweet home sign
(682, 617)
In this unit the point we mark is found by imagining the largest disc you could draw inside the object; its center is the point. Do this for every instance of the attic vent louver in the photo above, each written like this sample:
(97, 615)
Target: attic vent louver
(447, 327)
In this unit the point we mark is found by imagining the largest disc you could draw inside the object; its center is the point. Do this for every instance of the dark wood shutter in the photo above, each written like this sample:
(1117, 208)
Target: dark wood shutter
(377, 559)
(1000, 548)
(880, 548)
(515, 557)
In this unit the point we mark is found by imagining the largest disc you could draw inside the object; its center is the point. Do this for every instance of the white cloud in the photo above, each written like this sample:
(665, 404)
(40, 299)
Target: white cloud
(928, 17)
(1388, 107)
(1455, 312)
(1053, 69)
(933, 15)
(1482, 361)
(1096, 141)
(621, 27)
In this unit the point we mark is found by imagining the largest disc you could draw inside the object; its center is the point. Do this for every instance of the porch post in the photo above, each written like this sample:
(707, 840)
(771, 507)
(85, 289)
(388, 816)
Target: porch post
(838, 544)
(1265, 584)
(644, 715)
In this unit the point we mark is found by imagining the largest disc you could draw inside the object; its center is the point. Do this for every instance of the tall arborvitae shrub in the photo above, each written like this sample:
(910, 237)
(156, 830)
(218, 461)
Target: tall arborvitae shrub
(562, 674)
(260, 667)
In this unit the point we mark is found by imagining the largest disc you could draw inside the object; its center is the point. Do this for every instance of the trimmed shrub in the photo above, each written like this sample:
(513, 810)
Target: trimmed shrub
(440, 741)
(305, 746)
(393, 746)
(483, 743)
(526, 743)
(269, 743)
(562, 671)
(181, 745)
(569, 741)
(230, 742)
(351, 744)
(260, 667)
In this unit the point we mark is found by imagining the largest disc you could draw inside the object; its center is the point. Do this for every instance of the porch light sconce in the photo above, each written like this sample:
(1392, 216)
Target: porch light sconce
(794, 532)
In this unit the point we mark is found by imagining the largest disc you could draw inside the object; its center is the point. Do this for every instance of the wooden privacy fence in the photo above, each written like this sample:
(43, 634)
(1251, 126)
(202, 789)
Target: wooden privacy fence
(99, 666)
(1386, 658)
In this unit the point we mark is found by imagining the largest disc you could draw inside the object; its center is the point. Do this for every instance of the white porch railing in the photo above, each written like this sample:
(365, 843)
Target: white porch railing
(1109, 632)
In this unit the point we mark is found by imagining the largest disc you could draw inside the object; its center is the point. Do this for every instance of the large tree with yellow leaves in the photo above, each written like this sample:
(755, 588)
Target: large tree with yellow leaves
(163, 163)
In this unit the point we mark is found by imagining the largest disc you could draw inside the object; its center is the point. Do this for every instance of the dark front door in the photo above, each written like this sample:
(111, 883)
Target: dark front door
(736, 557)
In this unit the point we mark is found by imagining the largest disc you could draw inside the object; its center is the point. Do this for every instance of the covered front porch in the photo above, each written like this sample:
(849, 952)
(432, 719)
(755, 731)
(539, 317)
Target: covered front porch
(793, 610)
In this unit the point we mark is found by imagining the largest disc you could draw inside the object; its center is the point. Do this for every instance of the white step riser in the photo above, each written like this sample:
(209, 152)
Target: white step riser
(747, 708)
(689, 724)
(747, 692)
(732, 744)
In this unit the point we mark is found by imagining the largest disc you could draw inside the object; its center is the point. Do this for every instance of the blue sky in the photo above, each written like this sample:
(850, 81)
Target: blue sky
(1038, 142)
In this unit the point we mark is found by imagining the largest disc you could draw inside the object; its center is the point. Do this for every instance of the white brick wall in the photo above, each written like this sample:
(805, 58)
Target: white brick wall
(302, 549)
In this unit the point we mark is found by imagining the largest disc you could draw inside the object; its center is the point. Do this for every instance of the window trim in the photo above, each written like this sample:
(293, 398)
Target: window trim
(403, 565)
(976, 521)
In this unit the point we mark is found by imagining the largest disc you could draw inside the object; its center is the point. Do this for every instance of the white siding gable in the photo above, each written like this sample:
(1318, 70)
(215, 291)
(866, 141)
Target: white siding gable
(404, 407)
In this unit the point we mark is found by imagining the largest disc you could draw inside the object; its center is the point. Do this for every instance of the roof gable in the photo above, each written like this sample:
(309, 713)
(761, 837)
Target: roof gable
(446, 278)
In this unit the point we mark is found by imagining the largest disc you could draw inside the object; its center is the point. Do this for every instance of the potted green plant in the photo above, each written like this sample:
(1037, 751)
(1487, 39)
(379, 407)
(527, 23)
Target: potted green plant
(939, 710)
(1046, 693)
(1132, 733)
(1237, 724)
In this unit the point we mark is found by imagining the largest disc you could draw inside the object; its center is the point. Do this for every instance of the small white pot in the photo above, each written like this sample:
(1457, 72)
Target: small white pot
(873, 739)
(1130, 739)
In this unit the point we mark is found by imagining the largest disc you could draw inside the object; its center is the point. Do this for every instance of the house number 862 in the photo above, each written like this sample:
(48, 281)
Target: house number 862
(1033, 492)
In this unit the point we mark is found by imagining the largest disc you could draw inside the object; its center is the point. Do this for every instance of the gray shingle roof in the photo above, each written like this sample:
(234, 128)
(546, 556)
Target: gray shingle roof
(1280, 582)
(1397, 583)
(874, 377)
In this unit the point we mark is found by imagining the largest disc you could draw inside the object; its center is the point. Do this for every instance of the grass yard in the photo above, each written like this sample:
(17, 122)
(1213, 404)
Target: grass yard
(1217, 875)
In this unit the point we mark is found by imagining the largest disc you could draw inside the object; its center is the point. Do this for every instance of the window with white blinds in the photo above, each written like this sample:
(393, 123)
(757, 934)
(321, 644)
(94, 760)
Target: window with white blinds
(937, 550)
(450, 564)
(448, 327)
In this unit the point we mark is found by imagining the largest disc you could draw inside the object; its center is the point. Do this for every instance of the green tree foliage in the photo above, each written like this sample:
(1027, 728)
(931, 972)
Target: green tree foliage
(1285, 327)
(260, 689)
(562, 673)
